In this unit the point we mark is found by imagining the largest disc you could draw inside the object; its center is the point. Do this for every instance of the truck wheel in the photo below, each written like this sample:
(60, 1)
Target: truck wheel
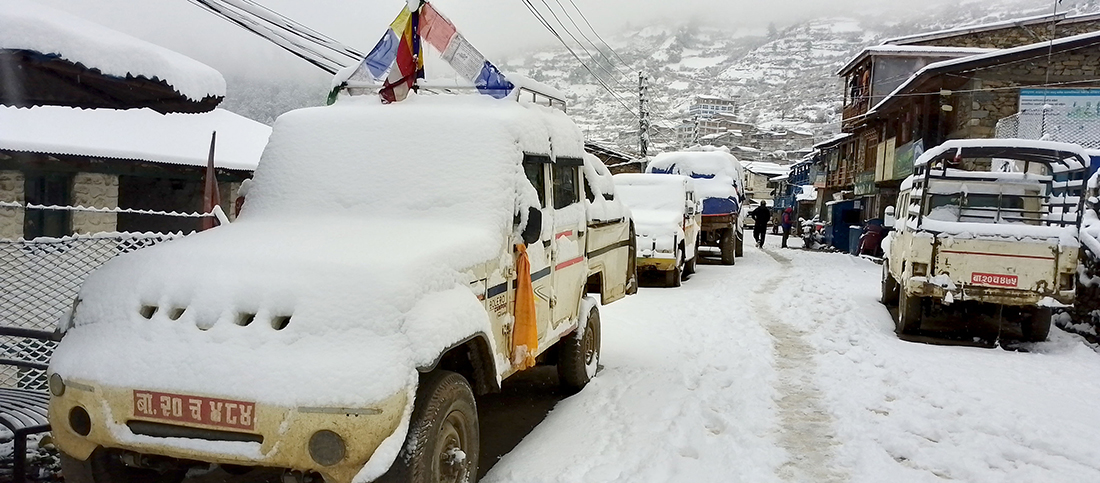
(909, 309)
(728, 245)
(739, 244)
(443, 440)
(102, 467)
(889, 286)
(1036, 327)
(580, 356)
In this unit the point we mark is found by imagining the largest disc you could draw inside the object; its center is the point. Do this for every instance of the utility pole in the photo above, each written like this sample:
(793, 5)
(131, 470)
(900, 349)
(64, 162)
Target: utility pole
(643, 115)
(694, 129)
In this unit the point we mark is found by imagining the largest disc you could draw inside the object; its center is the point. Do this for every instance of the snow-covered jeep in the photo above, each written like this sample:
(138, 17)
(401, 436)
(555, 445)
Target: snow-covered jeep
(992, 221)
(381, 274)
(667, 215)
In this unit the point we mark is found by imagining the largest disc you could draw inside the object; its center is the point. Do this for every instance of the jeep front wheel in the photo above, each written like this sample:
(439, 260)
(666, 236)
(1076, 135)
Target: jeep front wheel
(443, 440)
(580, 354)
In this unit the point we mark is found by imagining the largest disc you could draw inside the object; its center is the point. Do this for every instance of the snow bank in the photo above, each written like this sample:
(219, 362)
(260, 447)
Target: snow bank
(717, 176)
(140, 134)
(27, 25)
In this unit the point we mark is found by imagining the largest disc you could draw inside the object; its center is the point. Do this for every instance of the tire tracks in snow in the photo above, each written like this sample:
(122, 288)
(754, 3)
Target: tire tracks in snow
(806, 431)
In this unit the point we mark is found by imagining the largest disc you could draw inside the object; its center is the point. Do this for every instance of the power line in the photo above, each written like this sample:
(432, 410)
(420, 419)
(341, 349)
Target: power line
(598, 34)
(553, 32)
(579, 43)
(590, 42)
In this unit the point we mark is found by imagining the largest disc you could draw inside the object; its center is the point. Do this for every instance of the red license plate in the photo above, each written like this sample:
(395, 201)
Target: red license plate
(180, 408)
(994, 279)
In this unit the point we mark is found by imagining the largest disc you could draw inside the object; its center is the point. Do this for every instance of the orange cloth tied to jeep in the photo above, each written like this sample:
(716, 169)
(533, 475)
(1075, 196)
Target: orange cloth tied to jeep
(525, 337)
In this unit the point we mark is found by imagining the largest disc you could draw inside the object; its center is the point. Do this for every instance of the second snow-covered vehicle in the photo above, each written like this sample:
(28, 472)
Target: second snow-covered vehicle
(988, 224)
(379, 277)
(667, 218)
(717, 175)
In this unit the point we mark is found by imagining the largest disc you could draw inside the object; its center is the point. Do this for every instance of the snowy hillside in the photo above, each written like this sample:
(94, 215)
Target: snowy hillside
(785, 77)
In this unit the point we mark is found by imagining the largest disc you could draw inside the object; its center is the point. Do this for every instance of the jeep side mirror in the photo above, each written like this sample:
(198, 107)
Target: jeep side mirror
(533, 230)
(888, 219)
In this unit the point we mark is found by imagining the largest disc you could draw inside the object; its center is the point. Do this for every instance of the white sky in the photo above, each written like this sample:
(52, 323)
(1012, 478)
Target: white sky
(497, 28)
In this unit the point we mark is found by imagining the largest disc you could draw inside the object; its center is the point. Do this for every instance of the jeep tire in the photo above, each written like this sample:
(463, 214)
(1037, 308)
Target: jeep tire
(739, 243)
(579, 357)
(674, 277)
(909, 313)
(443, 440)
(890, 286)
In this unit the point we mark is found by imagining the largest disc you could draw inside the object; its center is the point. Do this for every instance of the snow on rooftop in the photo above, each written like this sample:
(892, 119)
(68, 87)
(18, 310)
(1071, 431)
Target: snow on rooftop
(910, 51)
(139, 134)
(1046, 45)
(764, 167)
(973, 28)
(26, 25)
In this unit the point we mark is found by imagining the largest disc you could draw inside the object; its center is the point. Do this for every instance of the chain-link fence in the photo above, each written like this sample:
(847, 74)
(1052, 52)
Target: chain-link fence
(1083, 132)
(39, 280)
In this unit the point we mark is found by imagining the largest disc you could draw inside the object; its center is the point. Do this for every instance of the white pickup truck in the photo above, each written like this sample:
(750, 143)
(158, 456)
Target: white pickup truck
(991, 224)
(339, 330)
(668, 219)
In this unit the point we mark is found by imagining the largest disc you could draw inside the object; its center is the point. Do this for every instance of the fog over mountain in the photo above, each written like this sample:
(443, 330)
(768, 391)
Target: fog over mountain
(779, 58)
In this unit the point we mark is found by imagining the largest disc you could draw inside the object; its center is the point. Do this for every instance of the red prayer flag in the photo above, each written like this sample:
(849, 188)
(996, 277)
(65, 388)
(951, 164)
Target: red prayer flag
(210, 195)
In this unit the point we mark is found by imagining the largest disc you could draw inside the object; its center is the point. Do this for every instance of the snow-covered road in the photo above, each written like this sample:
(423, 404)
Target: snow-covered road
(785, 368)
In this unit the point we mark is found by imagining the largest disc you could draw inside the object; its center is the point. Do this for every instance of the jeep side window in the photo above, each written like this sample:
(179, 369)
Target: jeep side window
(588, 194)
(533, 168)
(566, 188)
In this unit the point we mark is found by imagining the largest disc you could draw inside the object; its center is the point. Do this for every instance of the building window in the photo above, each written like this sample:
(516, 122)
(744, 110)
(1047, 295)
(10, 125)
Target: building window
(50, 190)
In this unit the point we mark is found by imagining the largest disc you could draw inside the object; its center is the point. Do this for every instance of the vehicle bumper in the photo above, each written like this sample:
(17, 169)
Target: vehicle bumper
(656, 263)
(280, 438)
(920, 287)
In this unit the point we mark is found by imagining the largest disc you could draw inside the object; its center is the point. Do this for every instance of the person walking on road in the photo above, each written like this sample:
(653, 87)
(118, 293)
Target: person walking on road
(760, 216)
(787, 220)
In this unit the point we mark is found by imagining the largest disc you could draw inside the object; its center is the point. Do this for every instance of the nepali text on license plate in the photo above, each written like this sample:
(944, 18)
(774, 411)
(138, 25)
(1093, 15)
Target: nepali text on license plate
(195, 410)
(994, 279)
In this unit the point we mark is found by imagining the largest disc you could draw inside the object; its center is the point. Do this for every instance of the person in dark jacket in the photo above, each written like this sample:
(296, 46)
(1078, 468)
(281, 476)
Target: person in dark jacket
(787, 222)
(760, 216)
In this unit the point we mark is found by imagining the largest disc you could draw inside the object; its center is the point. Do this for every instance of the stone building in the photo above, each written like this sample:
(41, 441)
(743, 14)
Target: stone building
(962, 82)
(105, 140)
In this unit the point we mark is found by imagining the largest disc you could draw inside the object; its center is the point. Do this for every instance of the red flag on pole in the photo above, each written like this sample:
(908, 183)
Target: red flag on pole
(210, 195)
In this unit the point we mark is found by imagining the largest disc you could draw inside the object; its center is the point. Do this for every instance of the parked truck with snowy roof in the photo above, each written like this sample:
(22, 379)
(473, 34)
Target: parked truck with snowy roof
(989, 225)
(377, 279)
(666, 215)
(717, 176)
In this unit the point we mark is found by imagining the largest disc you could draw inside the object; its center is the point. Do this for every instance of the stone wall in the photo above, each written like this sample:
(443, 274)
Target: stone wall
(1014, 36)
(98, 191)
(993, 93)
(11, 219)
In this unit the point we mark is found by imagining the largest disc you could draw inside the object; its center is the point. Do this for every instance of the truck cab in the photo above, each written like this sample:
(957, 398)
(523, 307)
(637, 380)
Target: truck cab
(392, 263)
(667, 216)
(991, 224)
